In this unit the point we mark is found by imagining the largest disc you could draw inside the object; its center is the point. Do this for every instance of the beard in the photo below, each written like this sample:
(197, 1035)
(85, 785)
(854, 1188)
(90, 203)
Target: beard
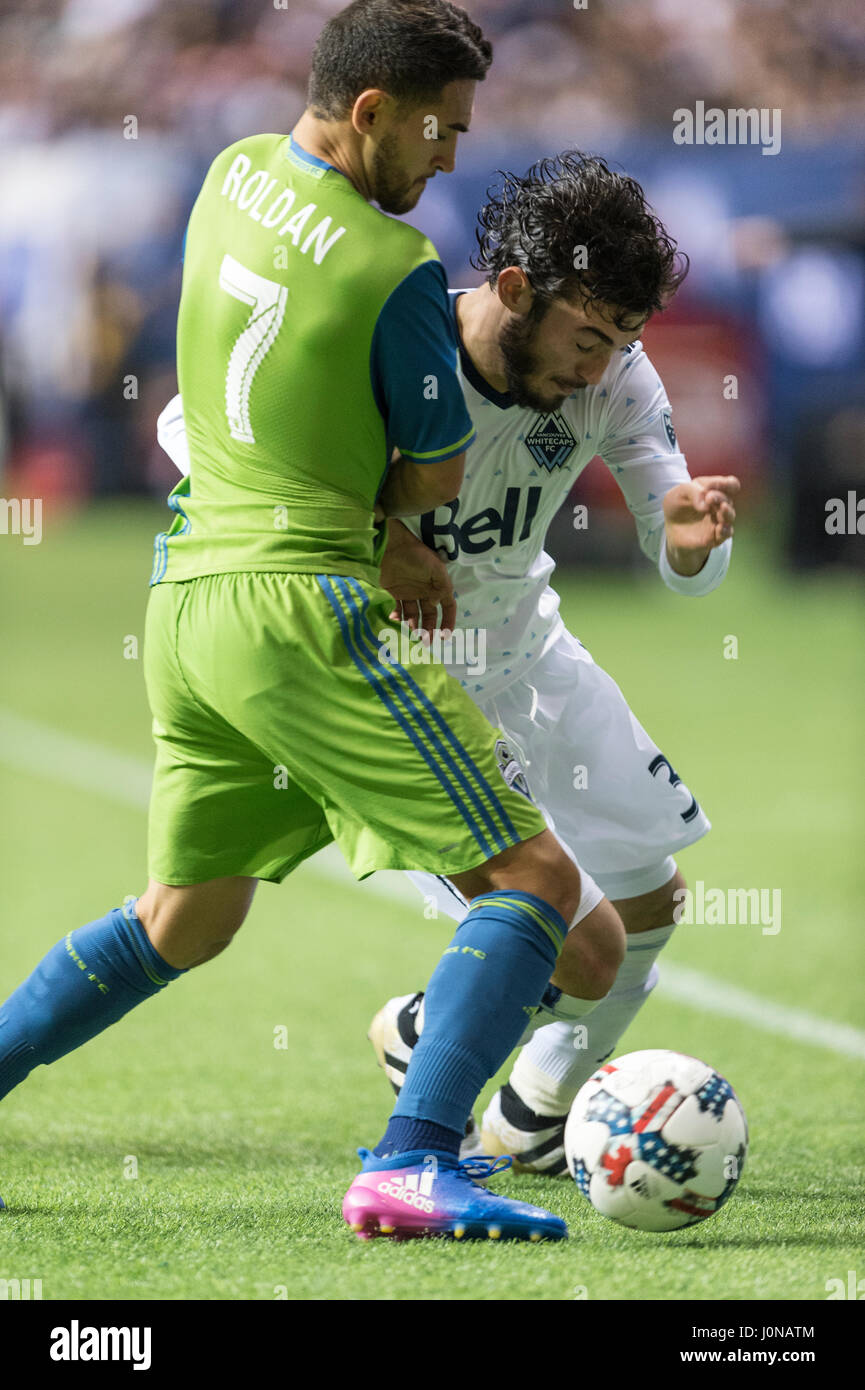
(391, 188)
(516, 343)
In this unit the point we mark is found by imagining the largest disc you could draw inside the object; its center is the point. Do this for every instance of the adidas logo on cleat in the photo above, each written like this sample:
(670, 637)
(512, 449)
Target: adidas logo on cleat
(405, 1194)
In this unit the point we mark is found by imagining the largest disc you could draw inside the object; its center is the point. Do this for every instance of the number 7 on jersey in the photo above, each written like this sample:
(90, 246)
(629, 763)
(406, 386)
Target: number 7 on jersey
(268, 300)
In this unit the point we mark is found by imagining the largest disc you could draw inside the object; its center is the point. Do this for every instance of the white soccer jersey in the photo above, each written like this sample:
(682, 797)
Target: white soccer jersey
(519, 471)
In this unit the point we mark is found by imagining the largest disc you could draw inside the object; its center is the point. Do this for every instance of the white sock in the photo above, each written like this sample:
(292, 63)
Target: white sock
(567, 1009)
(561, 1056)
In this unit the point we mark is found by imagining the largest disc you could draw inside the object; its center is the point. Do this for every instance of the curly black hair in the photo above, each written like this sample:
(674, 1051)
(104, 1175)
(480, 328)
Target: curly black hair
(578, 229)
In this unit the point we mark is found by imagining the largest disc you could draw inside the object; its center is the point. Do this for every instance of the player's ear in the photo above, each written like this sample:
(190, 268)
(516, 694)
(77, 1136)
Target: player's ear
(368, 109)
(514, 290)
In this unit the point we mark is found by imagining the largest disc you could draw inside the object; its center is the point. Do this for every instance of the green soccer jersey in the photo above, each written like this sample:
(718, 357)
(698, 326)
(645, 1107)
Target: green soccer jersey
(313, 338)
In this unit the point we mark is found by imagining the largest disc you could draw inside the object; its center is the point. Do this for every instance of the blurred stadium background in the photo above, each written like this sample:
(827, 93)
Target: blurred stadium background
(92, 221)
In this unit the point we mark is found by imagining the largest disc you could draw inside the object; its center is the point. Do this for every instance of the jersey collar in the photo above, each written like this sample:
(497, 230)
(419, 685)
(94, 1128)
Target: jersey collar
(312, 161)
(503, 399)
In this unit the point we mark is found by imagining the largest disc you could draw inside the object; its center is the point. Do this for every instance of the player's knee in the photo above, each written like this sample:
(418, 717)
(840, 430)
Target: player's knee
(539, 866)
(554, 875)
(190, 925)
(655, 909)
(592, 954)
(172, 918)
(213, 950)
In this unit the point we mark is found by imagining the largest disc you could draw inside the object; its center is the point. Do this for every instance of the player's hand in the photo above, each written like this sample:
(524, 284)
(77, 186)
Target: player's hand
(699, 515)
(419, 581)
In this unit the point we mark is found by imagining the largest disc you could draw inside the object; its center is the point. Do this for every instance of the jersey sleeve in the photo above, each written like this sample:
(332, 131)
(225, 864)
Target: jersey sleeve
(413, 368)
(640, 448)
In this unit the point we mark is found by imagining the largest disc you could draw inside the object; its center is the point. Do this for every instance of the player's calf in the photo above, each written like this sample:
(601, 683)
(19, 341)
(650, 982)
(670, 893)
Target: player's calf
(87, 981)
(98, 972)
(189, 925)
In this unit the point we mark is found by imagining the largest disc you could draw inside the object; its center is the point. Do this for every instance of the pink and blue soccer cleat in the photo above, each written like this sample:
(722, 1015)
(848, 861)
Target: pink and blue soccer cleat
(433, 1194)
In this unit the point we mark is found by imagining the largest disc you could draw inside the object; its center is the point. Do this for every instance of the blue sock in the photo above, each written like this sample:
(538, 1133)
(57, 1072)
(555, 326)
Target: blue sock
(89, 980)
(489, 980)
(404, 1133)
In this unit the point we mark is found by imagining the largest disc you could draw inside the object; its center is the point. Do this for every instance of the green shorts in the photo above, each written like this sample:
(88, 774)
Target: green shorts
(280, 728)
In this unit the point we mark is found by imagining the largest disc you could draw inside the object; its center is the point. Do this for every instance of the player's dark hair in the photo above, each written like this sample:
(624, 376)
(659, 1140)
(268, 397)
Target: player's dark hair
(410, 49)
(573, 211)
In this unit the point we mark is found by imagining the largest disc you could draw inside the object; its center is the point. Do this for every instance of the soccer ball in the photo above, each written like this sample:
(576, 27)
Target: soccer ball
(656, 1140)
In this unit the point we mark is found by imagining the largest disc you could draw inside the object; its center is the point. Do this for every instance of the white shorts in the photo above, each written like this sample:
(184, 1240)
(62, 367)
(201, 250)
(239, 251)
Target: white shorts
(612, 798)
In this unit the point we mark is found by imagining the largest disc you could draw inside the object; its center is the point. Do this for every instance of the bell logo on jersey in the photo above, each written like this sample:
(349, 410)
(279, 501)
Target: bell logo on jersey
(668, 429)
(550, 442)
(485, 529)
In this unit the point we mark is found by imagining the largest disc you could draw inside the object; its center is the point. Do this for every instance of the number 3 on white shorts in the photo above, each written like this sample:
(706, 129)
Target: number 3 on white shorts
(268, 300)
(675, 781)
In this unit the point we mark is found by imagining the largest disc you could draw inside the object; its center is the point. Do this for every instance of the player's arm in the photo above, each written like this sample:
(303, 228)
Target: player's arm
(684, 524)
(413, 369)
(412, 488)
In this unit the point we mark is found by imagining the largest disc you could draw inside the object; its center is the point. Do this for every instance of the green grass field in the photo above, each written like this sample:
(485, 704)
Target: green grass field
(242, 1149)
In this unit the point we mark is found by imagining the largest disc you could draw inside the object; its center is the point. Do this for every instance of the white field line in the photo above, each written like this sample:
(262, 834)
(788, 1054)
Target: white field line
(43, 751)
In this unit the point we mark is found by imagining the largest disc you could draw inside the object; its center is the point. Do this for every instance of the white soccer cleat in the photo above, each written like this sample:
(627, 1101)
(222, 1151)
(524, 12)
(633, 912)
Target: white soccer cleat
(393, 1034)
(535, 1142)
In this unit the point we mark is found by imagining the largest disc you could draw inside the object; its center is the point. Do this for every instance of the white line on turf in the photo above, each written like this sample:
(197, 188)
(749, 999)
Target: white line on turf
(43, 751)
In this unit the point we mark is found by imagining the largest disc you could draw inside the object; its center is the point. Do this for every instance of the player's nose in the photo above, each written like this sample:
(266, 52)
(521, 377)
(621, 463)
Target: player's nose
(446, 162)
(593, 374)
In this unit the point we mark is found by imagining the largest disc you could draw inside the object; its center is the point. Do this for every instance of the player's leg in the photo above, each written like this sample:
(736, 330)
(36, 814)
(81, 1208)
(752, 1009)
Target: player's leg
(526, 1117)
(97, 973)
(625, 802)
(217, 824)
(609, 790)
(476, 1004)
(594, 945)
(421, 766)
(565, 1042)
(189, 925)
(475, 1013)
(406, 769)
(596, 935)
